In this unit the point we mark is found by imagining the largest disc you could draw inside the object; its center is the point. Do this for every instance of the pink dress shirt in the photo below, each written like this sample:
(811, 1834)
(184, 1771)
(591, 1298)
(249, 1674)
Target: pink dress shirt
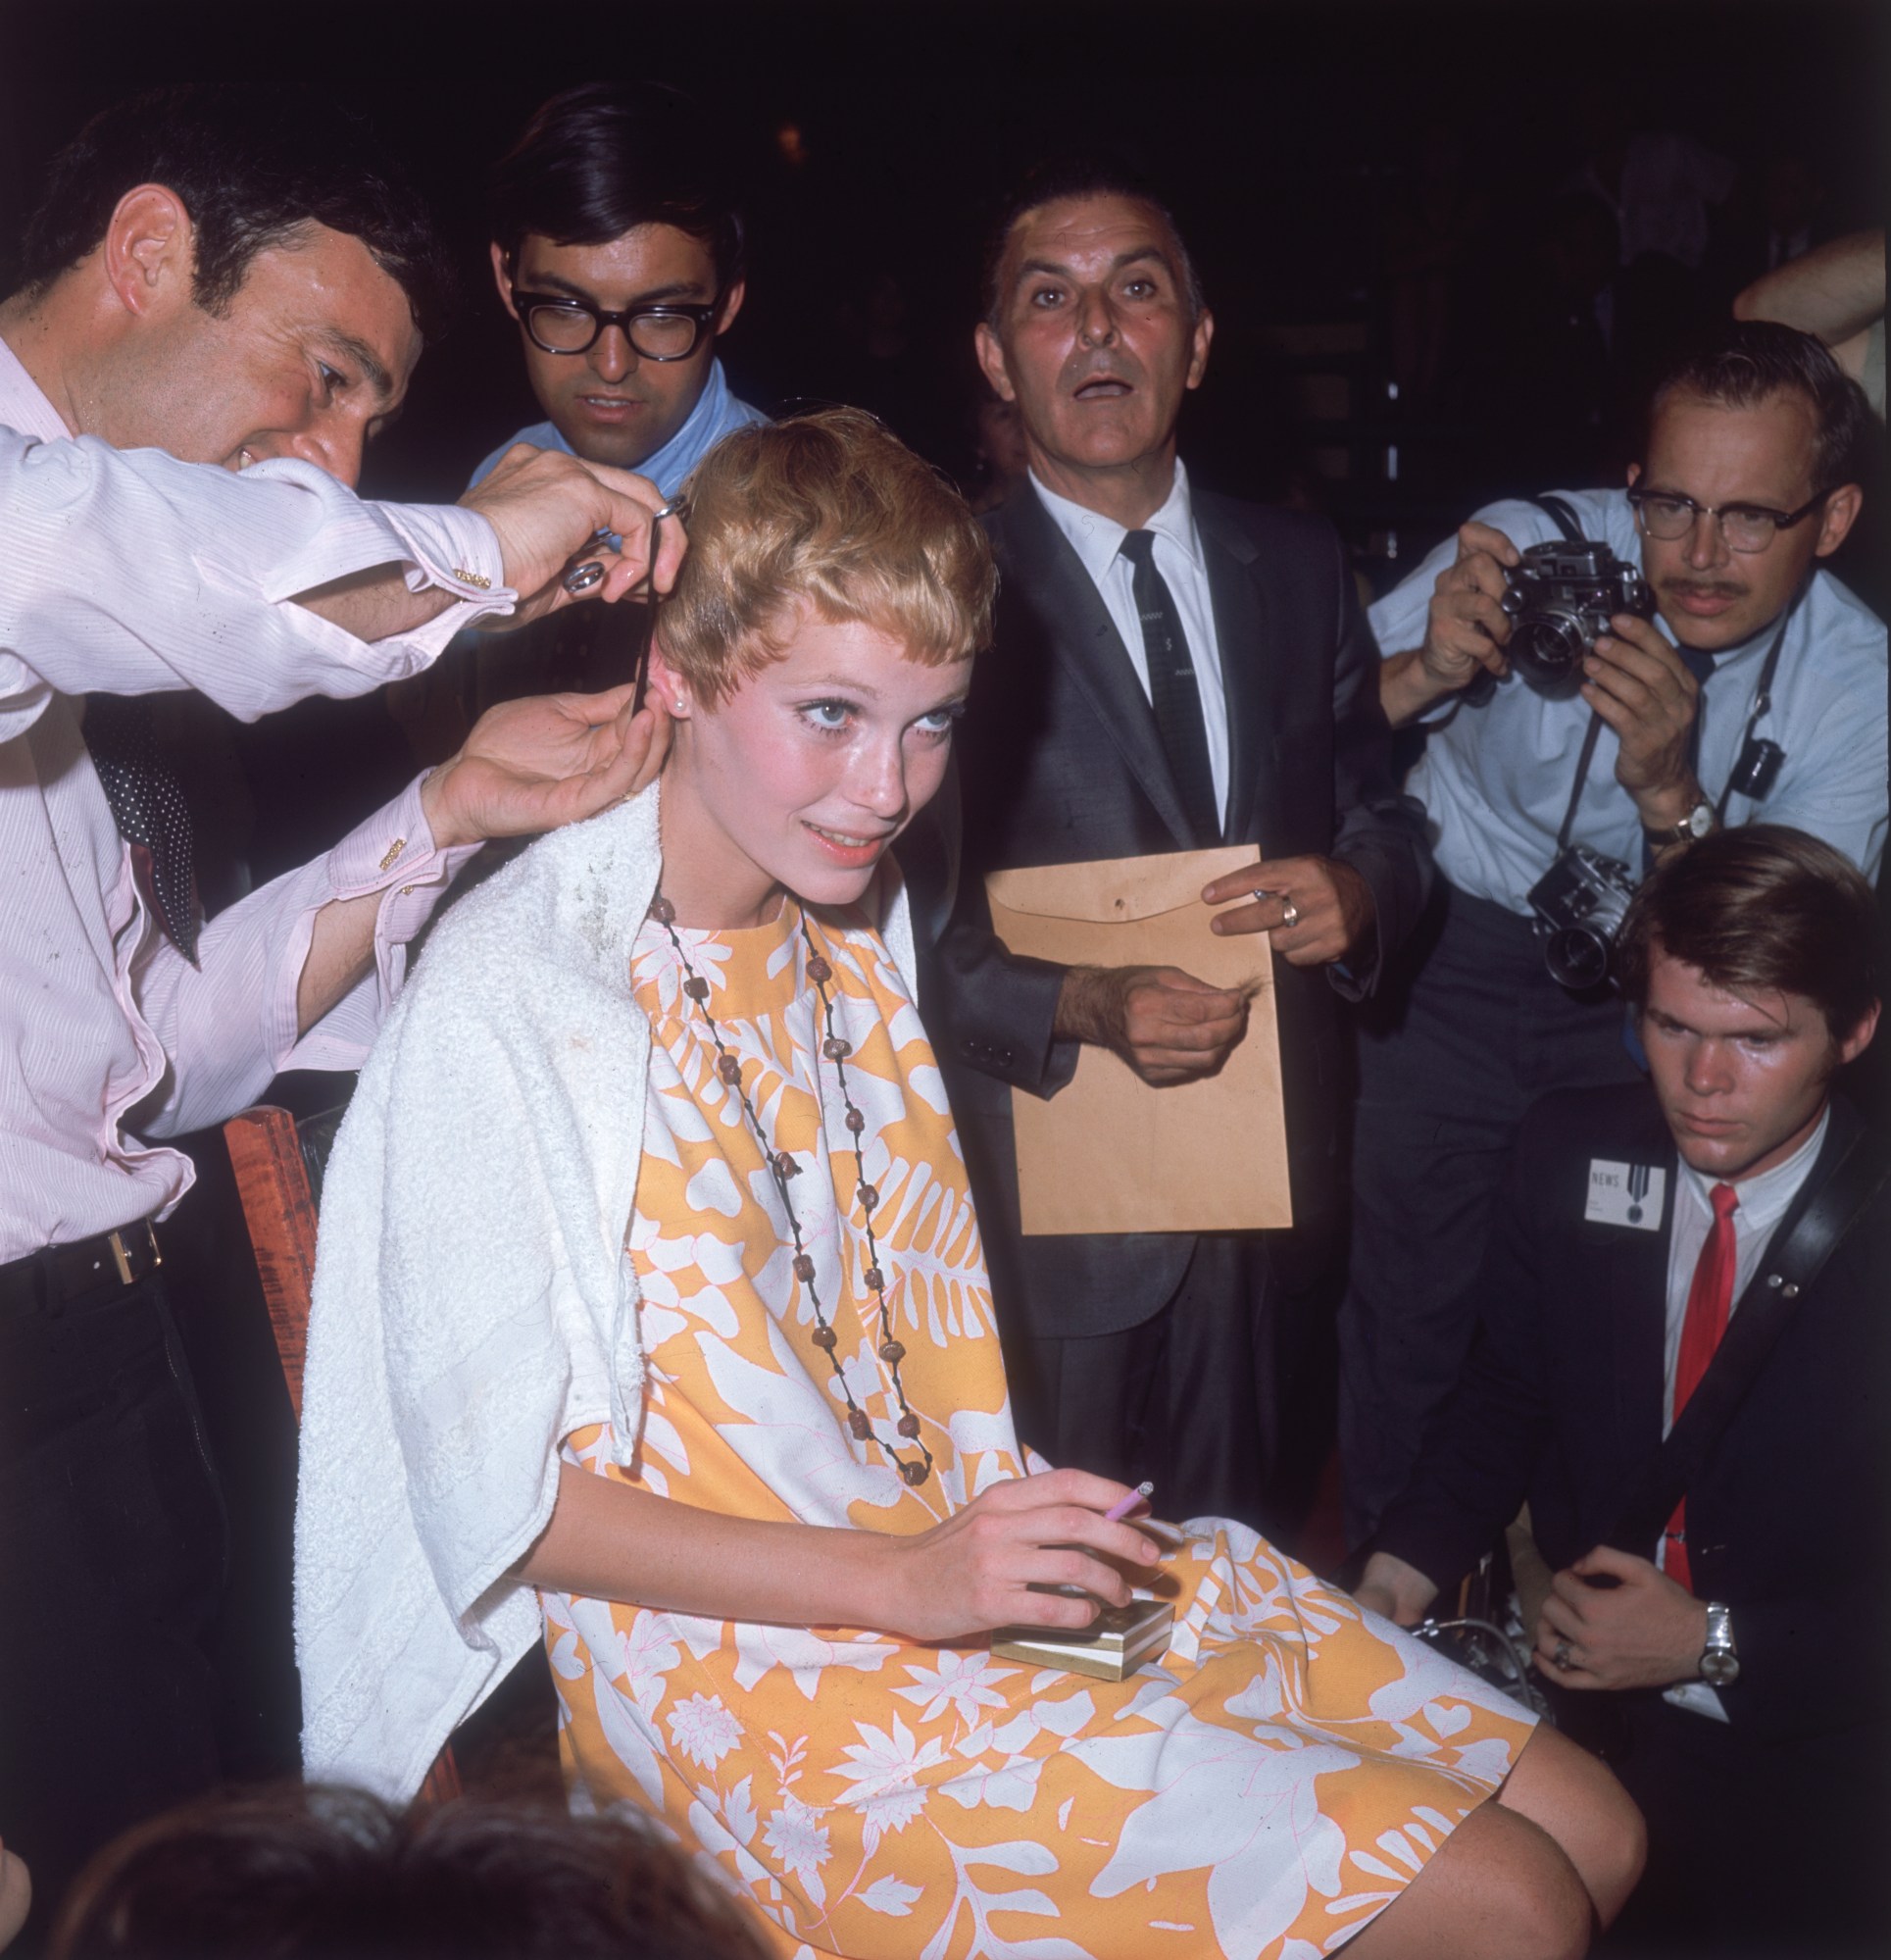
(130, 571)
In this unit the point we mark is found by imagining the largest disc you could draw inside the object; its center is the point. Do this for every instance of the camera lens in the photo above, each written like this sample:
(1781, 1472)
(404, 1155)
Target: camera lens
(1578, 958)
(1549, 650)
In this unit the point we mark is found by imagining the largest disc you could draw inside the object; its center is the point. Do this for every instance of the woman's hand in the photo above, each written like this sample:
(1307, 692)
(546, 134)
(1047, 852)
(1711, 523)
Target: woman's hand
(974, 1571)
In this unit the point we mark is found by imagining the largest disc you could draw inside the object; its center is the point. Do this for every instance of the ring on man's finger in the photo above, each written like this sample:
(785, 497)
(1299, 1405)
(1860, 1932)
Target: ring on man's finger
(1560, 1657)
(1289, 910)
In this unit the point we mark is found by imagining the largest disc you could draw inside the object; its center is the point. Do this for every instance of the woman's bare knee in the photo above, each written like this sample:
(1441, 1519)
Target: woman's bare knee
(1574, 1797)
(1498, 1889)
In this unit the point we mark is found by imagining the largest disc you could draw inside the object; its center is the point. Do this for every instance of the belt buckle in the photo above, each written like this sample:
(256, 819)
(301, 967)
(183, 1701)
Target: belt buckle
(122, 1252)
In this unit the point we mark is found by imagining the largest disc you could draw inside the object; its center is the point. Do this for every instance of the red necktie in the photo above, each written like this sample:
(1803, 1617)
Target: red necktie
(1710, 1300)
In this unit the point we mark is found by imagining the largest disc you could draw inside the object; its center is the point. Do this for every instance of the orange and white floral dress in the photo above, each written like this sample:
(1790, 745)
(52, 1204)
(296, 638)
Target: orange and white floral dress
(1277, 1778)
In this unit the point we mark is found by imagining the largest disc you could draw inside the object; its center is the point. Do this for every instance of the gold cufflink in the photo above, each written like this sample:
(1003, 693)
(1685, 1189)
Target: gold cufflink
(393, 851)
(475, 579)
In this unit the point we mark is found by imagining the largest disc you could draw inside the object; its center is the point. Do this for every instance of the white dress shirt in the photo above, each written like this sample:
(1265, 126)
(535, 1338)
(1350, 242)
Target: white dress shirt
(1764, 1203)
(132, 573)
(1097, 540)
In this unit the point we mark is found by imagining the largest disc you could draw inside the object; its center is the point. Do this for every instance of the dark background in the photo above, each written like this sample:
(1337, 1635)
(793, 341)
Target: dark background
(1294, 140)
(1342, 171)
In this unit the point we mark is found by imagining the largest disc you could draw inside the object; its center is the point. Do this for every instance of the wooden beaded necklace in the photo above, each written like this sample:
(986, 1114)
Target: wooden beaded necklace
(782, 1166)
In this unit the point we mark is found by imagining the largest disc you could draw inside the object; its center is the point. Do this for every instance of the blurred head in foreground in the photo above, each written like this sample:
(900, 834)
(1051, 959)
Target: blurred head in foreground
(313, 1873)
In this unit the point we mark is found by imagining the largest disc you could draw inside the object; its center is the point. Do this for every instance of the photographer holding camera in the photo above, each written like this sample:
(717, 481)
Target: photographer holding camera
(1585, 718)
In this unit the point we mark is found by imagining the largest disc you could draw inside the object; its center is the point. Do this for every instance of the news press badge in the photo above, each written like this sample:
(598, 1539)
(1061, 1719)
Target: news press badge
(1626, 1195)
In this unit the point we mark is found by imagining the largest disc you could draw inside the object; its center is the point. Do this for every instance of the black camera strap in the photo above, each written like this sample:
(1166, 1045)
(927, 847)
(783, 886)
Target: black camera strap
(1761, 697)
(1583, 761)
(1786, 1273)
(1564, 513)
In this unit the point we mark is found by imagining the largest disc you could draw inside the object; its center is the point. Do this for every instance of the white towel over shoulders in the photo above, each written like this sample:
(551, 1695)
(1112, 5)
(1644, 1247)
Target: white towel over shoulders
(472, 1305)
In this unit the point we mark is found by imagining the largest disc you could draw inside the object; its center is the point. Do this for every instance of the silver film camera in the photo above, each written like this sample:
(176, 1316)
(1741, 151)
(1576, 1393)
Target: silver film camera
(1580, 903)
(1560, 600)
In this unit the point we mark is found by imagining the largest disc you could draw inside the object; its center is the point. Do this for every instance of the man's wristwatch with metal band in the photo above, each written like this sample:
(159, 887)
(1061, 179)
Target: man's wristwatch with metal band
(1719, 1664)
(1690, 830)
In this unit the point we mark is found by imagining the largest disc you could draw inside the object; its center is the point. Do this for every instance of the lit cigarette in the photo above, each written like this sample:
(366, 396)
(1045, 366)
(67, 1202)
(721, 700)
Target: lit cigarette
(1124, 1505)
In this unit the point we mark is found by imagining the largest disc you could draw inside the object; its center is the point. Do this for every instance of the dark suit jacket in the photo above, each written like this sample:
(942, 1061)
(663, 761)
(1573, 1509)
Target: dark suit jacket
(1789, 1523)
(1060, 762)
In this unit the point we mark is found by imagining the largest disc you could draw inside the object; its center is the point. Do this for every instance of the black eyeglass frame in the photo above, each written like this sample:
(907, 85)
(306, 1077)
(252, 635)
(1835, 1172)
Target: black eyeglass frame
(1781, 520)
(701, 317)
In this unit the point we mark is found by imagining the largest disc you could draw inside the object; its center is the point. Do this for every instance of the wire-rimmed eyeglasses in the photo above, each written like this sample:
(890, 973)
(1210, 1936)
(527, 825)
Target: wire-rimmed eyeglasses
(1747, 528)
(562, 324)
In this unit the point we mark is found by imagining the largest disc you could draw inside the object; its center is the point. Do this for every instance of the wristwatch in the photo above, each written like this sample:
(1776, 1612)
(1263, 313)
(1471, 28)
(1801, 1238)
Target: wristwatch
(1719, 1664)
(1690, 830)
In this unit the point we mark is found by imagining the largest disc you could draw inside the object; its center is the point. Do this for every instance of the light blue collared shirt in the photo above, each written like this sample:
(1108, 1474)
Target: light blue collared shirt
(1495, 780)
(716, 413)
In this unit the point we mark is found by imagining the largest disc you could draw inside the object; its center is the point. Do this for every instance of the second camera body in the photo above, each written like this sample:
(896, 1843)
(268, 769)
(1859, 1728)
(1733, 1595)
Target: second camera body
(1560, 600)
(1580, 903)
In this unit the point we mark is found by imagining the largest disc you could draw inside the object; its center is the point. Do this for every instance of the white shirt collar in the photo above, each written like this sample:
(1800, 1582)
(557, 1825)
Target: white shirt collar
(1764, 1199)
(23, 402)
(1097, 540)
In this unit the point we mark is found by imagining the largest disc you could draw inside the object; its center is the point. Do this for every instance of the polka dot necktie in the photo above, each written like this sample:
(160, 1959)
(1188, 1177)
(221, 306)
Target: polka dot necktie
(148, 805)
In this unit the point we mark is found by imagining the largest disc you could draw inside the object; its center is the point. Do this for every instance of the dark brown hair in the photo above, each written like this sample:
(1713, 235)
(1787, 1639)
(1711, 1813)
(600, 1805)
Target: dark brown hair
(1057, 180)
(604, 157)
(1760, 910)
(315, 1873)
(254, 167)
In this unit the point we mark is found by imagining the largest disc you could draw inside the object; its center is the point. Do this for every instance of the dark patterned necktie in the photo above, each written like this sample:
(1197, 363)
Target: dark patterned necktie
(1701, 665)
(148, 805)
(1174, 693)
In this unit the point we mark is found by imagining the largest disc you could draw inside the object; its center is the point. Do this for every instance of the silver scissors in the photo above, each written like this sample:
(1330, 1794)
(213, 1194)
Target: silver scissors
(581, 578)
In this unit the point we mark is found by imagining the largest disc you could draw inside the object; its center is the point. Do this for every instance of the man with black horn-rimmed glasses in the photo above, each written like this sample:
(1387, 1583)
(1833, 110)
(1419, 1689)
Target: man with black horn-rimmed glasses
(618, 247)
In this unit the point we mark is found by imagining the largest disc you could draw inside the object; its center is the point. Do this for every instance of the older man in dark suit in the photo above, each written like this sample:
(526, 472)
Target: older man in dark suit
(1719, 1631)
(1172, 669)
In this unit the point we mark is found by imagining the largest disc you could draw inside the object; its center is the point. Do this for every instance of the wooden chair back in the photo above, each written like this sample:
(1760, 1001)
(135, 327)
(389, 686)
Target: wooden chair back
(278, 1164)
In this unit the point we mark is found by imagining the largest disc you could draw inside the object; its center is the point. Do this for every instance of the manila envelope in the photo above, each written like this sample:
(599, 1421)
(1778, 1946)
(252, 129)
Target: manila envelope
(1108, 1153)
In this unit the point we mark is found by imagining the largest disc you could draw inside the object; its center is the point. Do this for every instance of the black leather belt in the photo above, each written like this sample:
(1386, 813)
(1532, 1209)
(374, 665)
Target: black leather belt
(58, 1274)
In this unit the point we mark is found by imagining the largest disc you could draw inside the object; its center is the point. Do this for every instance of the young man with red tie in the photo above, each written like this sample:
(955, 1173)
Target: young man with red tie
(1715, 1509)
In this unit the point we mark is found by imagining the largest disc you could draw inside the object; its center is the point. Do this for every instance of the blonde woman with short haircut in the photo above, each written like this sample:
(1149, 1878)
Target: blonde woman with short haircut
(651, 1320)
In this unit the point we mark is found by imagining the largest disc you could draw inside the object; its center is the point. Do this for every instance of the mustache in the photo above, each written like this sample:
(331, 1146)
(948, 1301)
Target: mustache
(1703, 588)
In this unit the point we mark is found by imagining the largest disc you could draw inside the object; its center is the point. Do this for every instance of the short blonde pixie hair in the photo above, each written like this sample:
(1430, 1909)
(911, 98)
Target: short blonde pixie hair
(830, 509)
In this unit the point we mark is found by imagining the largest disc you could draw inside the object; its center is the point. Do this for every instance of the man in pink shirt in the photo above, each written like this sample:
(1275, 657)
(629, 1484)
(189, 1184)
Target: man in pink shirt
(224, 298)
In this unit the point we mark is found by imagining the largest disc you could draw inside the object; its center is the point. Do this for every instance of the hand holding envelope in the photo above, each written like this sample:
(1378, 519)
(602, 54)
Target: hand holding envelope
(1169, 1026)
(1112, 1152)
